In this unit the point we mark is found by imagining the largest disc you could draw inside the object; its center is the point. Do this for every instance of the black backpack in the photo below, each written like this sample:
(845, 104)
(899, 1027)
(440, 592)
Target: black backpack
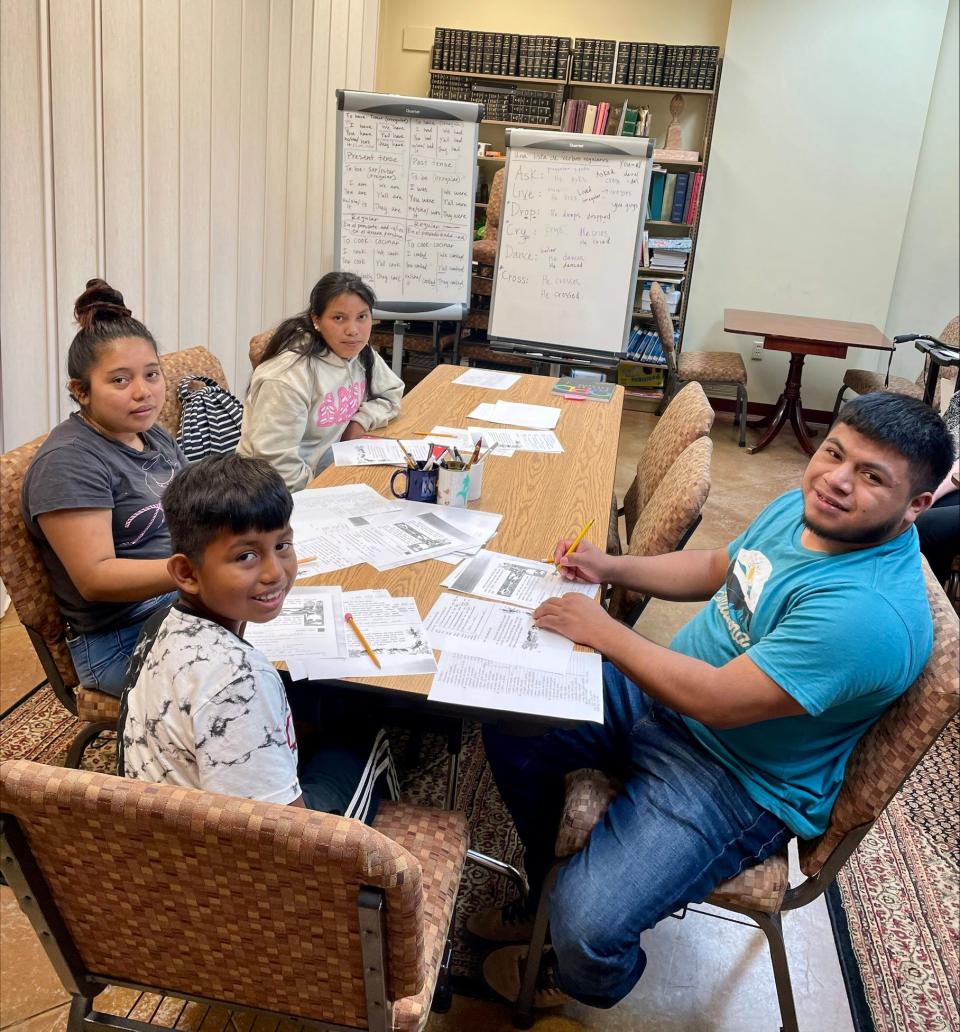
(210, 418)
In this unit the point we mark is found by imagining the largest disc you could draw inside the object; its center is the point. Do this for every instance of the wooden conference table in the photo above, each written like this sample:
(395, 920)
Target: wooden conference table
(800, 336)
(542, 497)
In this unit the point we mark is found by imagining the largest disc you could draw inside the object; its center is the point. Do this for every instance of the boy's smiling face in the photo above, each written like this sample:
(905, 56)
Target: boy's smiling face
(242, 577)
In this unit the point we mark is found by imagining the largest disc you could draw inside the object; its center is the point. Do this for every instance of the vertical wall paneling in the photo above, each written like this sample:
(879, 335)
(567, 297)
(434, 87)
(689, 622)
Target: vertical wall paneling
(74, 50)
(195, 188)
(275, 185)
(298, 153)
(161, 171)
(253, 155)
(23, 326)
(329, 57)
(185, 150)
(121, 53)
(225, 183)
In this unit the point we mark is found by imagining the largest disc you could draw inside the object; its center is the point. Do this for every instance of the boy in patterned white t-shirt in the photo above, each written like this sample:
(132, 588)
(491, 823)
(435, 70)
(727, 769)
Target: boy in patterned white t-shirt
(203, 708)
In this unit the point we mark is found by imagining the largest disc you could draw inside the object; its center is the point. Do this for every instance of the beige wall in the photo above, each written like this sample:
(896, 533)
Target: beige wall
(183, 149)
(926, 292)
(818, 135)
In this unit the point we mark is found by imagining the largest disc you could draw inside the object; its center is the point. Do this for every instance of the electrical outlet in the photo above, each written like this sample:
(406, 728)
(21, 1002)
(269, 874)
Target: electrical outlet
(757, 351)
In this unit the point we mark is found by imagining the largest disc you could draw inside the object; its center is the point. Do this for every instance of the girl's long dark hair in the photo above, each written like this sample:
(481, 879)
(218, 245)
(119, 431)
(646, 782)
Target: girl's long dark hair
(298, 333)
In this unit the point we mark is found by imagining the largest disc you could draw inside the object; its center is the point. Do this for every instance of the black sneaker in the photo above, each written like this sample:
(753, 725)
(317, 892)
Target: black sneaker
(503, 971)
(511, 923)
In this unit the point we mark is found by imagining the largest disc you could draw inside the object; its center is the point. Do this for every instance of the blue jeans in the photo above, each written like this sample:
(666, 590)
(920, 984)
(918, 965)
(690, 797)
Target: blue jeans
(101, 659)
(680, 826)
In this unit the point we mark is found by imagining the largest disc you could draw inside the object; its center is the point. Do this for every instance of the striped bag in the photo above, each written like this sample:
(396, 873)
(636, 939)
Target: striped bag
(210, 419)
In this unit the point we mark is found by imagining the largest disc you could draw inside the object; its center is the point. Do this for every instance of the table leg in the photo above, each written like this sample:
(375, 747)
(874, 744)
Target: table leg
(763, 422)
(454, 745)
(788, 407)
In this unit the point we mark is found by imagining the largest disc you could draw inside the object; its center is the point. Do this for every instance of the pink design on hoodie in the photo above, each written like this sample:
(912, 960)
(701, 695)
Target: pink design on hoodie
(339, 407)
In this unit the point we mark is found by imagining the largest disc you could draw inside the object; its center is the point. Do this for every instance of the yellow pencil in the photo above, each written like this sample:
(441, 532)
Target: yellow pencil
(410, 463)
(363, 641)
(576, 541)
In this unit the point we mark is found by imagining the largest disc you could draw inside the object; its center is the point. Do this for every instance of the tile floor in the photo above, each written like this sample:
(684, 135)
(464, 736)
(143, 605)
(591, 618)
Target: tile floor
(703, 975)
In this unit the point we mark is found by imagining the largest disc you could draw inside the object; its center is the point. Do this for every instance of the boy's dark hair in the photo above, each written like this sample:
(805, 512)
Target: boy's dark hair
(909, 427)
(223, 492)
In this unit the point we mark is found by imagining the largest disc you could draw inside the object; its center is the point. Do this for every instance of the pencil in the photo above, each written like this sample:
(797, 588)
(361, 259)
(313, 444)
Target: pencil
(306, 559)
(430, 433)
(410, 463)
(363, 641)
(576, 541)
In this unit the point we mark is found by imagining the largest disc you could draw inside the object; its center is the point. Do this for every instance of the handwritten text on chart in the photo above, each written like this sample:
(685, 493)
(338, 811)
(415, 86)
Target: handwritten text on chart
(568, 232)
(406, 205)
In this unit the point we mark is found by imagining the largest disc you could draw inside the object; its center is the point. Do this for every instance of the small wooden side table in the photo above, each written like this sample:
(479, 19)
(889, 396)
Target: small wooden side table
(800, 336)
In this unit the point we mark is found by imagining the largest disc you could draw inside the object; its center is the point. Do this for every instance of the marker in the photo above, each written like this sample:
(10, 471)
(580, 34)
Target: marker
(363, 641)
(576, 541)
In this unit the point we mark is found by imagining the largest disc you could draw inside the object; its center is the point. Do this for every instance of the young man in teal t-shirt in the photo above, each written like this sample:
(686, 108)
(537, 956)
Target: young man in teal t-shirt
(735, 738)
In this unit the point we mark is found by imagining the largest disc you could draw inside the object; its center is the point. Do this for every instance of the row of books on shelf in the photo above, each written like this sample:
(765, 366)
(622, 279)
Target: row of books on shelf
(666, 253)
(500, 53)
(674, 196)
(646, 347)
(604, 119)
(593, 60)
(501, 103)
(658, 64)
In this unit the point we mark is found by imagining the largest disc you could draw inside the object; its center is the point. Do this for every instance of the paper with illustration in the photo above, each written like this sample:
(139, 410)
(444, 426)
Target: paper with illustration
(310, 624)
(508, 578)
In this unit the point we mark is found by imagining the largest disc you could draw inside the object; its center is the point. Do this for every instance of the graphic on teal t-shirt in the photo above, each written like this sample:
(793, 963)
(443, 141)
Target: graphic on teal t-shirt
(843, 634)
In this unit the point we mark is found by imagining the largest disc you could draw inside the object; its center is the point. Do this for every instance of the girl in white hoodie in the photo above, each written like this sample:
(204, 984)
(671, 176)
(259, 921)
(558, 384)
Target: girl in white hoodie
(319, 381)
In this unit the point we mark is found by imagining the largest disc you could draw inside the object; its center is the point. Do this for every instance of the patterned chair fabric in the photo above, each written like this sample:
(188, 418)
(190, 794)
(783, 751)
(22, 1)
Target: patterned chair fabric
(687, 417)
(178, 364)
(890, 750)
(880, 764)
(258, 900)
(675, 504)
(701, 366)
(485, 250)
(258, 345)
(868, 381)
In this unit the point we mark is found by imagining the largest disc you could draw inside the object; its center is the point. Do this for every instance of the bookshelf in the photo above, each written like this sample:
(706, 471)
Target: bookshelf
(526, 82)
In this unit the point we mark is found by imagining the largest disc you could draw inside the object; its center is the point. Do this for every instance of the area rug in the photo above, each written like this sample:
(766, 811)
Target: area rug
(896, 906)
(41, 729)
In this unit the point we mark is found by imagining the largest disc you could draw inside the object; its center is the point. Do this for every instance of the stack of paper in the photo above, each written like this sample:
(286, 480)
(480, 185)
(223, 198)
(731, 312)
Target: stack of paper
(533, 670)
(544, 441)
(393, 629)
(398, 534)
(535, 417)
(310, 625)
(377, 451)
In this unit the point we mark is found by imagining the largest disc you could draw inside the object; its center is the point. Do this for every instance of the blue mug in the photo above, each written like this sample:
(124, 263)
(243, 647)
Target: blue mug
(420, 486)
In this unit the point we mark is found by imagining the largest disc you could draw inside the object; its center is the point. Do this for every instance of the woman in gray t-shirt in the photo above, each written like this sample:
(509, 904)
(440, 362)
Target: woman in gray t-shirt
(92, 495)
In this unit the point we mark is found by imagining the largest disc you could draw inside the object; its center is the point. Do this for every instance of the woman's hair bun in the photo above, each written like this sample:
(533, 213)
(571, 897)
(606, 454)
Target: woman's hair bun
(99, 303)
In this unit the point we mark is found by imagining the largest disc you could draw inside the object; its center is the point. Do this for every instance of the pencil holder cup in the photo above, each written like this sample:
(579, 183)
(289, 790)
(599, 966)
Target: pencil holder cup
(420, 485)
(476, 481)
(453, 487)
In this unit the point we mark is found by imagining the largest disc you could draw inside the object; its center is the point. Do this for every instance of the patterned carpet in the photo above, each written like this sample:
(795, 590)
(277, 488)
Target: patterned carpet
(899, 931)
(41, 729)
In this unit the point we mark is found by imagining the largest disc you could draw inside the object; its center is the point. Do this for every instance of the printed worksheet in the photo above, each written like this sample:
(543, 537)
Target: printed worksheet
(309, 625)
(320, 506)
(395, 632)
(508, 578)
(378, 452)
(391, 539)
(544, 441)
(576, 694)
(489, 378)
(486, 411)
(491, 630)
(333, 547)
(465, 439)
